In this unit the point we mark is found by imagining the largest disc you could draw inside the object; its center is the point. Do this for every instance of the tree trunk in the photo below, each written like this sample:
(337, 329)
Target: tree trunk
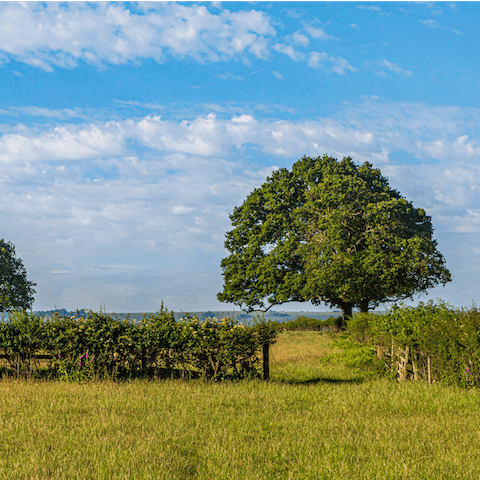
(364, 305)
(346, 313)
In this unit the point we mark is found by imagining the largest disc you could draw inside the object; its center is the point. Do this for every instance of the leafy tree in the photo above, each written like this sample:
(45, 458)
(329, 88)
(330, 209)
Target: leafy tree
(329, 231)
(16, 292)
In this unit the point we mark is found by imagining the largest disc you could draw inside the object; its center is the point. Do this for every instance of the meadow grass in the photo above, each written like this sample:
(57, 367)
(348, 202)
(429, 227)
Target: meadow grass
(313, 420)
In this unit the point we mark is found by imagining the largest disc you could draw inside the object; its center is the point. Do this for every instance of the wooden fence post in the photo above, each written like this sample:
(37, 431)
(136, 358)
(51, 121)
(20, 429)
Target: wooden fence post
(403, 365)
(266, 361)
(415, 371)
(405, 371)
(392, 358)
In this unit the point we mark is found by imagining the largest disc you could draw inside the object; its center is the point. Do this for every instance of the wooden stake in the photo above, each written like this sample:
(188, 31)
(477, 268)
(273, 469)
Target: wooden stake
(405, 371)
(415, 371)
(402, 364)
(393, 361)
(266, 362)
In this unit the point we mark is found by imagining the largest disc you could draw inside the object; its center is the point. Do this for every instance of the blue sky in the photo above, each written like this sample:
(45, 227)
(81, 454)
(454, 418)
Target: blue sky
(129, 132)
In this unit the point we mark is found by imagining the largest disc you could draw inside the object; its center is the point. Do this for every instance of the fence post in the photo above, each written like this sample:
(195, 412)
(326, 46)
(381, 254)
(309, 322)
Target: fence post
(392, 357)
(415, 370)
(266, 361)
(403, 364)
(405, 371)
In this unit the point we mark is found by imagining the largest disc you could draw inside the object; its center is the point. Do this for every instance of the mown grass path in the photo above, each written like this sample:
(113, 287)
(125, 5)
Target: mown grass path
(312, 421)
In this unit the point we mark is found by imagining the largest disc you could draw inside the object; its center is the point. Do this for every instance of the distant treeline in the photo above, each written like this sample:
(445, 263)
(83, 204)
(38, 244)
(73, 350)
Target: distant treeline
(246, 318)
(62, 312)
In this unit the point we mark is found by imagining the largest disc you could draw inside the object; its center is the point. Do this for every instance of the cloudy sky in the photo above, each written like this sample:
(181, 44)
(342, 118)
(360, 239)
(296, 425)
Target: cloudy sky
(129, 132)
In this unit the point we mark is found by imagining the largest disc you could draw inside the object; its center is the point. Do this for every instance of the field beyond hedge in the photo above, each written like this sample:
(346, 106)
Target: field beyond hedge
(316, 419)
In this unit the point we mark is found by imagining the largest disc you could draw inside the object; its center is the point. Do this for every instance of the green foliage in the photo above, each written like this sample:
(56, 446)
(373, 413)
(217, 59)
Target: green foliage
(334, 321)
(103, 346)
(20, 338)
(16, 292)
(328, 231)
(77, 369)
(265, 329)
(367, 327)
(305, 323)
(449, 336)
(354, 354)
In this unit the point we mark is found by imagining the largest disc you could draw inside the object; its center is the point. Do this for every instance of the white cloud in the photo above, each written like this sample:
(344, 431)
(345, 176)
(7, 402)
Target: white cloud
(288, 50)
(297, 38)
(469, 223)
(62, 143)
(277, 75)
(372, 8)
(61, 113)
(294, 13)
(61, 35)
(393, 67)
(135, 103)
(443, 149)
(316, 32)
(230, 76)
(181, 209)
(212, 136)
(336, 64)
(430, 23)
(54, 34)
(202, 136)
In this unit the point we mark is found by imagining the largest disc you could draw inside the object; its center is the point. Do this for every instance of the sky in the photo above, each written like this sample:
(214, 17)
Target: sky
(130, 131)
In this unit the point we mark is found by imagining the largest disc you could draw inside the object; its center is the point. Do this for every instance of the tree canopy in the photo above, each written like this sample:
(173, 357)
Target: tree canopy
(329, 231)
(16, 292)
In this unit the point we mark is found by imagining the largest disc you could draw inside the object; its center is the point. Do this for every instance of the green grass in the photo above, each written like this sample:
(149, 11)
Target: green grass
(314, 420)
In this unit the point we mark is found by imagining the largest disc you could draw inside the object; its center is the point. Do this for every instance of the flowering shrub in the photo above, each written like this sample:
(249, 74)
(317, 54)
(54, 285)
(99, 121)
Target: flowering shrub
(76, 369)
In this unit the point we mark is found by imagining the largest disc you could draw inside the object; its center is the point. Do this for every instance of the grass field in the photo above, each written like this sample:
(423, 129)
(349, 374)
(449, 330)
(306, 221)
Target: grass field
(313, 420)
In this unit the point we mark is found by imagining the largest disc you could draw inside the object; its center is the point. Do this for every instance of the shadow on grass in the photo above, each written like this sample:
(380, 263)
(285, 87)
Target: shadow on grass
(320, 380)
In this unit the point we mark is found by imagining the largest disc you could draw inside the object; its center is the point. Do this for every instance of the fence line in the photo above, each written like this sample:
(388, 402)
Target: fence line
(32, 357)
(406, 364)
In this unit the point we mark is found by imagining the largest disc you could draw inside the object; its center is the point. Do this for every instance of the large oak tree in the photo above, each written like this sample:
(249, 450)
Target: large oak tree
(329, 231)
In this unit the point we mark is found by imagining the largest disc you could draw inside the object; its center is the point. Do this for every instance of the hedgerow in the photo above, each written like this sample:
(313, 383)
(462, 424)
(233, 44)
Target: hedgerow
(100, 345)
(438, 336)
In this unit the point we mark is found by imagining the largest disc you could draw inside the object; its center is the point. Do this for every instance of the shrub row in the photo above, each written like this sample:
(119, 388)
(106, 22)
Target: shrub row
(102, 346)
(448, 336)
